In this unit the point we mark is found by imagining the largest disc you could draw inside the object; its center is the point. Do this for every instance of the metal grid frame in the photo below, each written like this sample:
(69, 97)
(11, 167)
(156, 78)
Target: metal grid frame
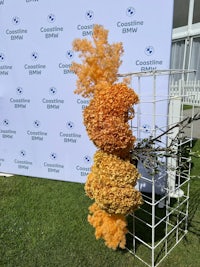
(162, 221)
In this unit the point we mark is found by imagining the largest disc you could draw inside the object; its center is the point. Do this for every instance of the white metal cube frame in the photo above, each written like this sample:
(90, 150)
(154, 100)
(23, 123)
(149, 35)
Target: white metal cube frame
(162, 221)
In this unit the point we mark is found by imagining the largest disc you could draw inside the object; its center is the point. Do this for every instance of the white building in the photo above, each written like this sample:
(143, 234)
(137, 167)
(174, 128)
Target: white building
(185, 53)
(186, 36)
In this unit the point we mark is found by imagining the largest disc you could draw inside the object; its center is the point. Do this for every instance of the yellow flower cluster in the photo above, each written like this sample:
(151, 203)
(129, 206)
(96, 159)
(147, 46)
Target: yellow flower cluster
(100, 62)
(111, 183)
(120, 172)
(112, 228)
(112, 178)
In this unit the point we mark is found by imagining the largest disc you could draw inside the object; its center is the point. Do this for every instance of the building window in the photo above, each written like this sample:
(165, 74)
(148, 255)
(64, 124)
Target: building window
(196, 12)
(181, 8)
(178, 56)
(185, 53)
(195, 56)
(183, 59)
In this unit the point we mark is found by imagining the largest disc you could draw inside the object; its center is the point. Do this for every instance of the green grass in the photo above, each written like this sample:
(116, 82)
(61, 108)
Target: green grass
(44, 223)
(185, 107)
(195, 160)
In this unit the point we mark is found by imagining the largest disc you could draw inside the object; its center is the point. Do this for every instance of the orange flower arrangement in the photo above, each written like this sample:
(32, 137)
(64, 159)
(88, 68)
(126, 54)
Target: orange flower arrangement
(112, 178)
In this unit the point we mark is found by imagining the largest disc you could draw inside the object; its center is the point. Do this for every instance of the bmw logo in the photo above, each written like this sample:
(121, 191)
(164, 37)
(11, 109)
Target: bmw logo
(52, 90)
(51, 18)
(34, 56)
(22, 153)
(130, 11)
(87, 159)
(70, 54)
(146, 128)
(19, 91)
(89, 15)
(149, 50)
(5, 122)
(36, 123)
(53, 155)
(2, 57)
(16, 20)
(70, 125)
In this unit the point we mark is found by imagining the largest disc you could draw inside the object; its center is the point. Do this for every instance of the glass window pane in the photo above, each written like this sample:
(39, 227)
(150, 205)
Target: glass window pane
(177, 57)
(181, 9)
(177, 54)
(195, 57)
(196, 13)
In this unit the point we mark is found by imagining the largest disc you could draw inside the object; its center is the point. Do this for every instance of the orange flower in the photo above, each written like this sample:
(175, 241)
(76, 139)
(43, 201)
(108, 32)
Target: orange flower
(106, 118)
(100, 61)
(114, 171)
(111, 183)
(111, 135)
(113, 100)
(112, 228)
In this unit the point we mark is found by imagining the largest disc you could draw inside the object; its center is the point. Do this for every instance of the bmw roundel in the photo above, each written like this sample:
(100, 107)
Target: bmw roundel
(70, 54)
(16, 20)
(5, 122)
(22, 153)
(130, 11)
(19, 90)
(89, 14)
(70, 125)
(149, 50)
(51, 18)
(53, 155)
(34, 56)
(2, 57)
(52, 90)
(87, 159)
(36, 123)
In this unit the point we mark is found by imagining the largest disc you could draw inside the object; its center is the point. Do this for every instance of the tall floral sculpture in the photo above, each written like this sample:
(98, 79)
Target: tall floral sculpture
(113, 177)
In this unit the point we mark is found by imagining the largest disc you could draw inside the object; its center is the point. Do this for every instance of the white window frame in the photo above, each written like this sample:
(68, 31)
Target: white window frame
(188, 30)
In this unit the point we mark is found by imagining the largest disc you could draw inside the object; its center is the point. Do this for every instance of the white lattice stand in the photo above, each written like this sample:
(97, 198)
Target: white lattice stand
(161, 222)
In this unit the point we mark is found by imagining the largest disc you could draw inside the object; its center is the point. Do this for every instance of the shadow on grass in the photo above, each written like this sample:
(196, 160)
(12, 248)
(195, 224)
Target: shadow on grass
(143, 229)
(193, 223)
